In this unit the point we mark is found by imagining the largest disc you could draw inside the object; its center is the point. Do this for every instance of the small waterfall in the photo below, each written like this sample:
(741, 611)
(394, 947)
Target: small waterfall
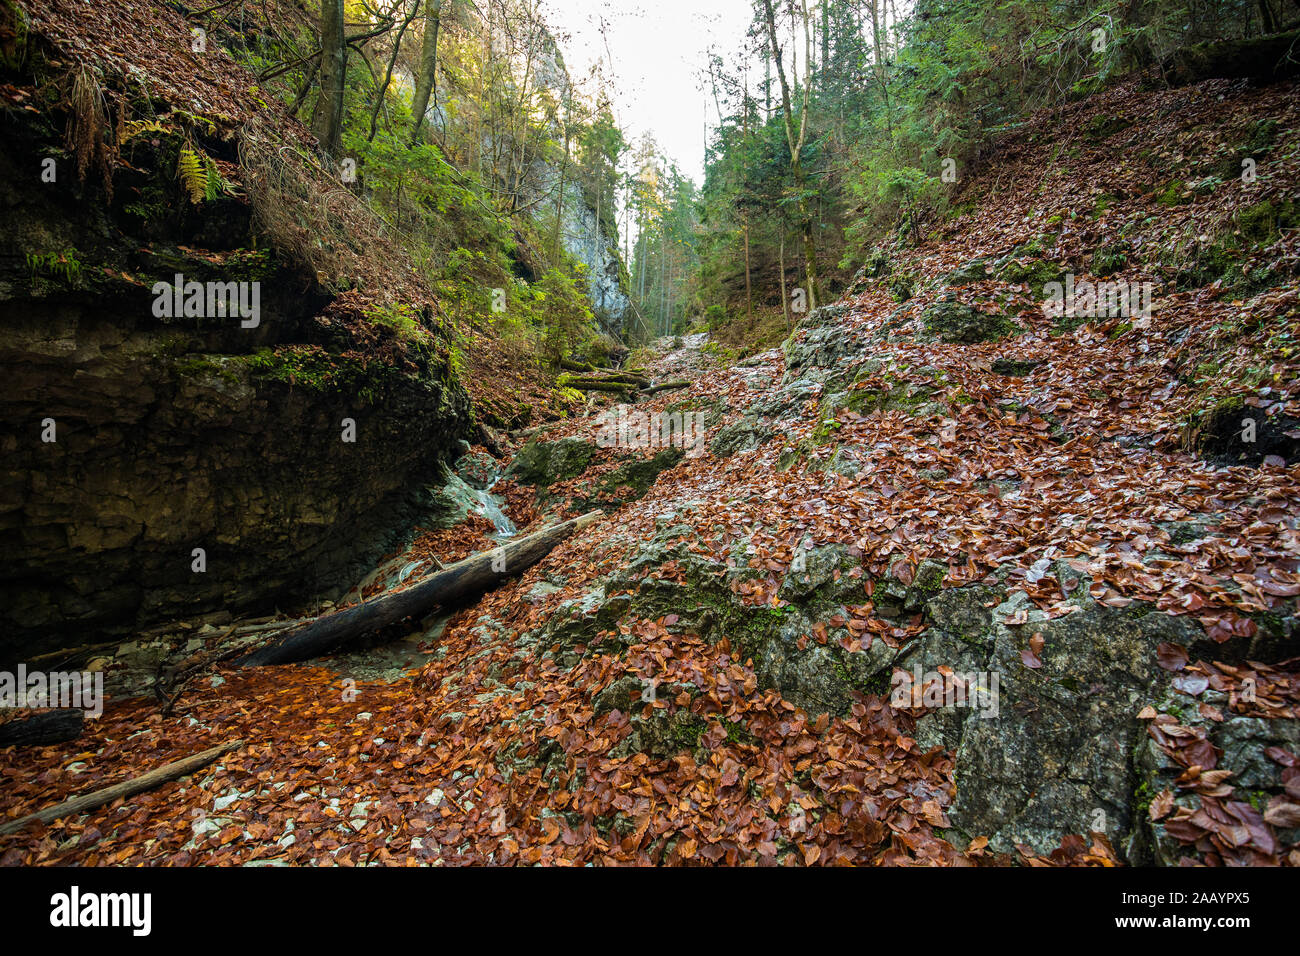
(490, 507)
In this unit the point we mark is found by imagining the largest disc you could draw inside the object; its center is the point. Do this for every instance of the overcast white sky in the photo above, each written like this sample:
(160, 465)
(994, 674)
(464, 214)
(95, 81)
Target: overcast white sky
(658, 48)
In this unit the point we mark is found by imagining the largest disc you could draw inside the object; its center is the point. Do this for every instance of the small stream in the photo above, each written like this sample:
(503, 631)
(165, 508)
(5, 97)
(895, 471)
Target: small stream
(490, 508)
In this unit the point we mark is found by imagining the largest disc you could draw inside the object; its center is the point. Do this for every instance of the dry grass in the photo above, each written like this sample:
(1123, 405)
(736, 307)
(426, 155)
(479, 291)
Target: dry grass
(314, 217)
(88, 126)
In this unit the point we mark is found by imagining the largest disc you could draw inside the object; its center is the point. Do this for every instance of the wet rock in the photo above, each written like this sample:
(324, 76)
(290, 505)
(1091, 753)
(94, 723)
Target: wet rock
(864, 396)
(1015, 368)
(450, 503)
(622, 695)
(787, 401)
(184, 432)
(974, 271)
(1244, 741)
(1033, 272)
(844, 460)
(819, 342)
(632, 479)
(578, 623)
(1190, 529)
(477, 469)
(1241, 747)
(819, 678)
(893, 598)
(540, 592)
(663, 734)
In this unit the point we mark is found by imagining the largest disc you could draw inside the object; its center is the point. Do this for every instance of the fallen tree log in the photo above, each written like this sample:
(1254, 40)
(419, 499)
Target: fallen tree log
(46, 727)
(595, 381)
(68, 654)
(610, 377)
(664, 387)
(127, 788)
(483, 571)
(624, 387)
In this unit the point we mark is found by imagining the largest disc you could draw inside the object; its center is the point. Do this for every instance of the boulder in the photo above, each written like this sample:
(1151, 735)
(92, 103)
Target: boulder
(544, 463)
(956, 322)
(819, 343)
(1241, 745)
(1048, 752)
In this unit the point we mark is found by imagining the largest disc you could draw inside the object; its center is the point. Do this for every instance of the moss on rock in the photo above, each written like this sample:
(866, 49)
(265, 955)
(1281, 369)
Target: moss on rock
(956, 322)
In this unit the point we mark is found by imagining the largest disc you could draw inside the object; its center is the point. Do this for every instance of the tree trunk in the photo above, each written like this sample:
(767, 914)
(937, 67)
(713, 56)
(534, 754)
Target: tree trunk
(809, 247)
(327, 634)
(601, 383)
(665, 387)
(826, 41)
(796, 142)
(328, 124)
(878, 54)
(785, 301)
(663, 272)
(749, 285)
(388, 75)
(1267, 20)
(597, 385)
(427, 79)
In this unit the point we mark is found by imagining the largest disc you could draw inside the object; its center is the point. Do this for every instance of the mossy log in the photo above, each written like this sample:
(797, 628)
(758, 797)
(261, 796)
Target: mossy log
(602, 387)
(606, 383)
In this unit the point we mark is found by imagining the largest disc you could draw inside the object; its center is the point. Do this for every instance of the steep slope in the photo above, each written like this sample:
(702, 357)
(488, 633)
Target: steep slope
(1017, 506)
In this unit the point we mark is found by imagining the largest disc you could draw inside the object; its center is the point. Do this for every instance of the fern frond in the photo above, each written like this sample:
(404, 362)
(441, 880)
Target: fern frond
(213, 183)
(193, 173)
(133, 128)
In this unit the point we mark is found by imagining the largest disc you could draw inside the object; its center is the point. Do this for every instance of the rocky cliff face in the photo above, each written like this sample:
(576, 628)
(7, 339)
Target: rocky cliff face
(131, 438)
(585, 239)
(581, 231)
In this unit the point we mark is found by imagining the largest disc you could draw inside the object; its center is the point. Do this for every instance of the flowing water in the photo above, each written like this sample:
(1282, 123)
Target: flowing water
(491, 509)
